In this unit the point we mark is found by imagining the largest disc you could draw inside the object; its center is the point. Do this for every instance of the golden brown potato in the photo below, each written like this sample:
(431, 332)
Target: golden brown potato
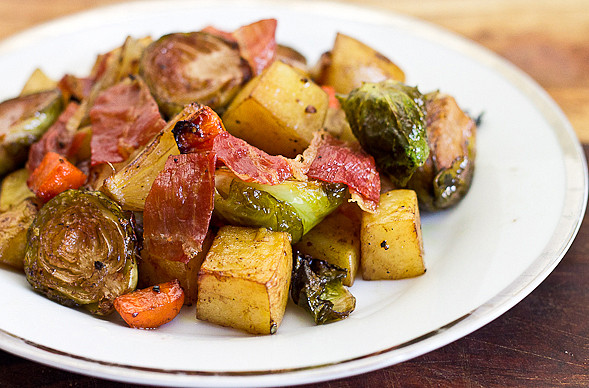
(38, 82)
(14, 225)
(278, 111)
(155, 271)
(14, 189)
(351, 62)
(244, 280)
(336, 240)
(391, 240)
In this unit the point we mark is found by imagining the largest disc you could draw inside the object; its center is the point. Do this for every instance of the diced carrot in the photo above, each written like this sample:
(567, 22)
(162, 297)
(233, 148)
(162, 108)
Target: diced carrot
(151, 307)
(53, 176)
(333, 101)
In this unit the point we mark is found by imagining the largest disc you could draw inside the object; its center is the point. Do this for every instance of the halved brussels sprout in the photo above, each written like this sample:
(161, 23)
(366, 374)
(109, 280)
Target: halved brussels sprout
(447, 175)
(81, 251)
(317, 286)
(248, 206)
(182, 68)
(292, 206)
(22, 122)
(388, 119)
(312, 200)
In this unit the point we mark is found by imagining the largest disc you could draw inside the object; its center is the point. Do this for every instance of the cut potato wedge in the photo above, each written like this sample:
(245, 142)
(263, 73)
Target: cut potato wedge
(14, 225)
(243, 282)
(14, 189)
(278, 111)
(391, 240)
(38, 82)
(336, 240)
(351, 62)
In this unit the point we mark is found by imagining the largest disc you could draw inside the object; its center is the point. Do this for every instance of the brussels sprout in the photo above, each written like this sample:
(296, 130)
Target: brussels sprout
(388, 119)
(245, 205)
(317, 287)
(22, 122)
(447, 175)
(81, 251)
(292, 206)
(182, 68)
(312, 200)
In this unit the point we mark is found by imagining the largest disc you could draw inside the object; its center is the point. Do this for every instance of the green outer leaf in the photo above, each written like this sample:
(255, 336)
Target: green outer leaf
(81, 251)
(452, 184)
(312, 200)
(249, 206)
(388, 119)
(292, 206)
(317, 287)
(40, 112)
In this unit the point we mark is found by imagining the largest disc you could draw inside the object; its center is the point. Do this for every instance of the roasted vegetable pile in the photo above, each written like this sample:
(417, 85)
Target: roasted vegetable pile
(219, 169)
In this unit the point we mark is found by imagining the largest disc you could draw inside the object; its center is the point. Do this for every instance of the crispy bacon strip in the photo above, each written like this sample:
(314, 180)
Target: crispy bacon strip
(228, 36)
(58, 139)
(179, 206)
(124, 117)
(77, 87)
(338, 161)
(206, 132)
(250, 163)
(256, 41)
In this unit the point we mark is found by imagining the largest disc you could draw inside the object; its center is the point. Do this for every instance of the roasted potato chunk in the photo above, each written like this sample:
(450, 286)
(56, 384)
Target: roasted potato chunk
(336, 240)
(14, 225)
(351, 63)
(391, 240)
(38, 82)
(14, 189)
(243, 282)
(278, 111)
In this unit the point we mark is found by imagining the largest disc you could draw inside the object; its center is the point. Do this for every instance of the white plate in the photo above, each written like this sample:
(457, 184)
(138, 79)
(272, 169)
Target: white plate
(483, 257)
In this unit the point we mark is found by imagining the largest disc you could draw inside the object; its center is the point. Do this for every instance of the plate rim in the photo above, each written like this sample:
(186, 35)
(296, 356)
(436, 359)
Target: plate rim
(570, 220)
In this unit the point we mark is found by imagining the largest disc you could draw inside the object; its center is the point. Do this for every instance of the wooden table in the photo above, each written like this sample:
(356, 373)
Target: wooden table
(544, 340)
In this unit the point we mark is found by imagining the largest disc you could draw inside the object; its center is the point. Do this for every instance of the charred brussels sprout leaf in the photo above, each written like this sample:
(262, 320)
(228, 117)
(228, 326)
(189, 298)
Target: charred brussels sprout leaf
(81, 251)
(317, 287)
(245, 205)
(22, 122)
(452, 184)
(447, 175)
(182, 68)
(388, 119)
(292, 206)
(312, 200)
